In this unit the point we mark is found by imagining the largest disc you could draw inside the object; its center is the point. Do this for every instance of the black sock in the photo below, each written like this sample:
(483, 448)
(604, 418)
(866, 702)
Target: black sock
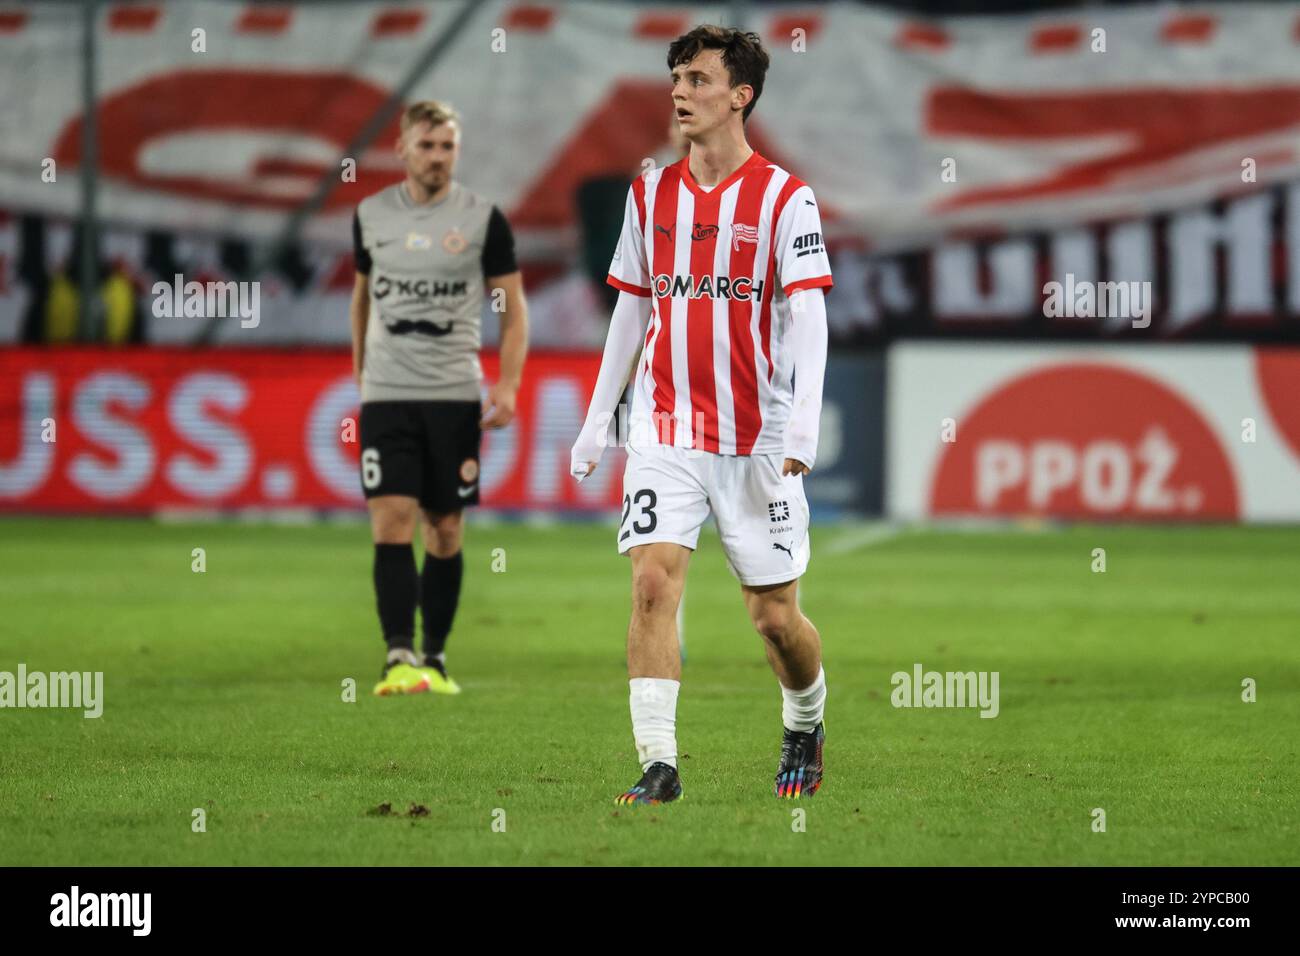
(439, 595)
(396, 593)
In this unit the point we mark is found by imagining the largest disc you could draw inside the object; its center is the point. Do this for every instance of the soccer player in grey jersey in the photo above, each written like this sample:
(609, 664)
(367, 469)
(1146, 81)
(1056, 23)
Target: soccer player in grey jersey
(427, 251)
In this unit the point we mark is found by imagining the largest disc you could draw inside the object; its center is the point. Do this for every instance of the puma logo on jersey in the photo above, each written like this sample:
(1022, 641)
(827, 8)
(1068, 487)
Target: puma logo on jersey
(666, 231)
(779, 545)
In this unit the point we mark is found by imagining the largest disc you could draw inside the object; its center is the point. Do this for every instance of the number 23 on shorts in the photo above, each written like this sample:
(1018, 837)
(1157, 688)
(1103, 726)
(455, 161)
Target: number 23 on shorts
(645, 520)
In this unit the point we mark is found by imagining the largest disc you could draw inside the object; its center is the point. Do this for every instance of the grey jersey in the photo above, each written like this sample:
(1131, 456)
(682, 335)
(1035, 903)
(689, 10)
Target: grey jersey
(426, 266)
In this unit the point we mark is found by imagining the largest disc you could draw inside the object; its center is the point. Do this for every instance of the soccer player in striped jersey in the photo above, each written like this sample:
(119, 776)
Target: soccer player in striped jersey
(721, 271)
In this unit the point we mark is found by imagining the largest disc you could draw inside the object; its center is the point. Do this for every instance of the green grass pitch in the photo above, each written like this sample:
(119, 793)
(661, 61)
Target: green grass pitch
(223, 691)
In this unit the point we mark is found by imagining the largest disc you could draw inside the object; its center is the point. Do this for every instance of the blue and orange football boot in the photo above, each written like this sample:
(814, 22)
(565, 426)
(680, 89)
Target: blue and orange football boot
(800, 771)
(659, 784)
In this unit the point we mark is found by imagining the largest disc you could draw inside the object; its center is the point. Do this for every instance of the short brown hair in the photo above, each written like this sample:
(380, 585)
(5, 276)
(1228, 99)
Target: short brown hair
(742, 54)
(431, 111)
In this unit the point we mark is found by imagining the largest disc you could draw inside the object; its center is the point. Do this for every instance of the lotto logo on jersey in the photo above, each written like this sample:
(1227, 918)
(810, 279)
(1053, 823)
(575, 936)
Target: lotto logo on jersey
(708, 287)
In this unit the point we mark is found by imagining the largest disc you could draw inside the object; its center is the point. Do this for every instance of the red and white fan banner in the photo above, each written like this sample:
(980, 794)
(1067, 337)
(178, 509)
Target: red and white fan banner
(1159, 433)
(220, 116)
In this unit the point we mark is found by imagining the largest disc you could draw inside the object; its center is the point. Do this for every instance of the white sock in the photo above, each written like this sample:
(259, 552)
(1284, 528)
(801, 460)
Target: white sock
(653, 702)
(402, 655)
(802, 710)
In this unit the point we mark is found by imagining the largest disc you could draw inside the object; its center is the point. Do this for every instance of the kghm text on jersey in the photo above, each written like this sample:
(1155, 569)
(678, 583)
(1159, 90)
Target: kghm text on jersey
(418, 288)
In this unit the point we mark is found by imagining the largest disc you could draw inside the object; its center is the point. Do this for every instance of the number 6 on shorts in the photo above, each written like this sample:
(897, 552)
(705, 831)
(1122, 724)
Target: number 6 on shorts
(370, 473)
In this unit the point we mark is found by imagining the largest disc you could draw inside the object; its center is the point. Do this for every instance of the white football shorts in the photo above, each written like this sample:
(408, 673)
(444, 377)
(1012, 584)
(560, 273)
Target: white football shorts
(761, 515)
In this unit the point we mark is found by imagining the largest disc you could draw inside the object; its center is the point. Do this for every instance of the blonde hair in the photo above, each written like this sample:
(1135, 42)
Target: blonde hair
(432, 112)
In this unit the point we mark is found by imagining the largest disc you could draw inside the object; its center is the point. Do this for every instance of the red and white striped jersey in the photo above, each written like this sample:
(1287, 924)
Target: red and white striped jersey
(718, 265)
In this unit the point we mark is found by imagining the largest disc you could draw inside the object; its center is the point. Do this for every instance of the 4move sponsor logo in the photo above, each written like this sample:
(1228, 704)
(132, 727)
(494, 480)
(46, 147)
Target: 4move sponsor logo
(808, 244)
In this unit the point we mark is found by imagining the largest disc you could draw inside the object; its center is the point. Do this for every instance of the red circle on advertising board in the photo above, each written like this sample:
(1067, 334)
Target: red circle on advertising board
(1085, 441)
(1278, 372)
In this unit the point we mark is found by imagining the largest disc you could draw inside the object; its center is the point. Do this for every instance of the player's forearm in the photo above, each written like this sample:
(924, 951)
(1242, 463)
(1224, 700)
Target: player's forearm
(622, 346)
(808, 346)
(514, 343)
(359, 319)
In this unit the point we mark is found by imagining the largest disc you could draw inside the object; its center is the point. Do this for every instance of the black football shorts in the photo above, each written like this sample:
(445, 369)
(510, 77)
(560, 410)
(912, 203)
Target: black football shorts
(423, 450)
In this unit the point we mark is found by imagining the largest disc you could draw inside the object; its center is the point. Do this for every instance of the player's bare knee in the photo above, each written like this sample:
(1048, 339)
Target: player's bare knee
(777, 624)
(392, 522)
(394, 530)
(653, 591)
(443, 533)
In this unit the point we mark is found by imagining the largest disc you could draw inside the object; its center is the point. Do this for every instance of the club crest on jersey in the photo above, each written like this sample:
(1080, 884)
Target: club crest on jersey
(702, 231)
(743, 233)
(708, 287)
(417, 241)
(453, 241)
